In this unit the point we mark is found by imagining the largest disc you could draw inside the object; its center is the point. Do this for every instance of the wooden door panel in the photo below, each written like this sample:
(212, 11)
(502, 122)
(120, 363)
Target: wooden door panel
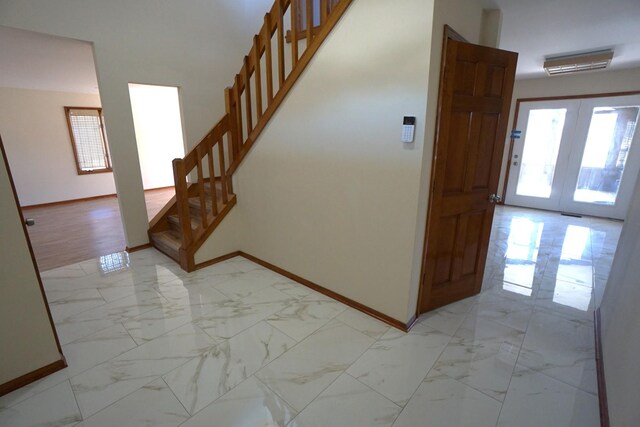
(456, 154)
(472, 243)
(455, 291)
(446, 246)
(466, 103)
(464, 78)
(462, 203)
(475, 96)
(486, 151)
(495, 77)
(460, 243)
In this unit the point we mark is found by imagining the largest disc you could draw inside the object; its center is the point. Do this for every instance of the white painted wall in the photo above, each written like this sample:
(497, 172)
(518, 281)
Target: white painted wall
(27, 342)
(193, 44)
(329, 192)
(578, 84)
(36, 136)
(158, 126)
(620, 319)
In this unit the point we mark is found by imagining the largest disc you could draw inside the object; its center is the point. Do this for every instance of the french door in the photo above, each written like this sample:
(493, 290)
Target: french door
(579, 156)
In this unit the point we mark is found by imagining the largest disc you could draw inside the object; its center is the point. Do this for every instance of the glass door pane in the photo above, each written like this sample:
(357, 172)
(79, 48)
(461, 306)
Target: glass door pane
(540, 153)
(611, 132)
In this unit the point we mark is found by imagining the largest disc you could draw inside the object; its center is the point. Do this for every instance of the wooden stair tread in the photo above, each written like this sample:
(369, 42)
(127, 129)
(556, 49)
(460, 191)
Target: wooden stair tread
(169, 242)
(194, 202)
(194, 205)
(207, 187)
(174, 220)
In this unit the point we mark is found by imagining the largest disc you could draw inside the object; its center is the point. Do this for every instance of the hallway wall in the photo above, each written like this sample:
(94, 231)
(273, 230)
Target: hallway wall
(620, 320)
(36, 137)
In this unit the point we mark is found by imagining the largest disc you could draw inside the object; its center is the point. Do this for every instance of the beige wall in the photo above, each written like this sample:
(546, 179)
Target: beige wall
(197, 46)
(36, 137)
(620, 320)
(26, 338)
(579, 84)
(329, 192)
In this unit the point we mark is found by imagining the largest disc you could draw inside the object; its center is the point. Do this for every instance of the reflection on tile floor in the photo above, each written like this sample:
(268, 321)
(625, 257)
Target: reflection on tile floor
(238, 345)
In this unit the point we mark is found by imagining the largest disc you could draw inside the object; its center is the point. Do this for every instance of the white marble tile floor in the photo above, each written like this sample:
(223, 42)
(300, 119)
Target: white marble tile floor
(238, 345)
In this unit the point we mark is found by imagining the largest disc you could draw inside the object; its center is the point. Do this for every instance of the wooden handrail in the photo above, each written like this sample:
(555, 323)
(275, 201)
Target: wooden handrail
(242, 104)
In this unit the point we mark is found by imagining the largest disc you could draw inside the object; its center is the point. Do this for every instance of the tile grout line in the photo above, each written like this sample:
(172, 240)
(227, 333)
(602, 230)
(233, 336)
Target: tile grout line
(254, 374)
(448, 343)
(113, 403)
(144, 385)
(401, 407)
(516, 362)
(343, 372)
(283, 399)
(75, 398)
(179, 401)
(425, 376)
(514, 366)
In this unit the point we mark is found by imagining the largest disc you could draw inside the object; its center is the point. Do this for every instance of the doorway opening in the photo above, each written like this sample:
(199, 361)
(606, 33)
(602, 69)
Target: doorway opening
(158, 126)
(58, 149)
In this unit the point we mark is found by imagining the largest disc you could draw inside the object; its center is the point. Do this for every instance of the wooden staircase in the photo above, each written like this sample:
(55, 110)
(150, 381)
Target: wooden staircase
(293, 30)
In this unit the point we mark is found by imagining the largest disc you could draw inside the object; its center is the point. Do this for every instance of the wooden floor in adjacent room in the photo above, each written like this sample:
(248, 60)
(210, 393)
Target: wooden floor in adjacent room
(68, 233)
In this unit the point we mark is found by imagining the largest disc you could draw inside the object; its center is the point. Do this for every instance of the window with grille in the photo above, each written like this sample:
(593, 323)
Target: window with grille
(88, 139)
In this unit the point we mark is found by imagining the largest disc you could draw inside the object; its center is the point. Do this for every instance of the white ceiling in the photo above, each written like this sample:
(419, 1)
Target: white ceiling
(534, 28)
(542, 28)
(31, 60)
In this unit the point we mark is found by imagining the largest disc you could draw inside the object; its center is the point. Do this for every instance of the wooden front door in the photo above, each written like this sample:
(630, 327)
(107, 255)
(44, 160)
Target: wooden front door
(473, 110)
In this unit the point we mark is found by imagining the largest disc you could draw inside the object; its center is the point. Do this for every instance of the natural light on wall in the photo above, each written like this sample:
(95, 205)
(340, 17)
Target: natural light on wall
(156, 117)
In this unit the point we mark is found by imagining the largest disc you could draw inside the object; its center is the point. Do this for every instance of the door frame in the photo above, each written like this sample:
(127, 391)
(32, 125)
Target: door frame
(514, 123)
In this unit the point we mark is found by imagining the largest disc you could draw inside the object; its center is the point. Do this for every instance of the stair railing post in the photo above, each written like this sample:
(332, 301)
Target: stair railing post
(324, 11)
(231, 116)
(200, 184)
(182, 202)
(309, 16)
